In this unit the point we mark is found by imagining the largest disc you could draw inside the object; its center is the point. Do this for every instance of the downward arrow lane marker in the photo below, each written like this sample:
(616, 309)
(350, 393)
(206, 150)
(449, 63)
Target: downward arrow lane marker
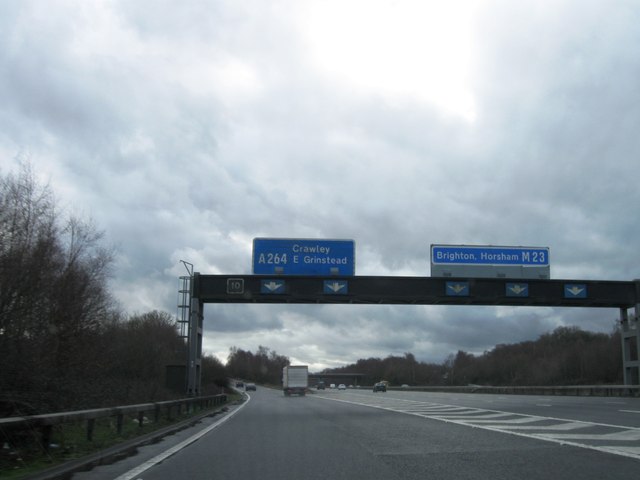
(458, 288)
(517, 290)
(271, 286)
(333, 287)
(575, 291)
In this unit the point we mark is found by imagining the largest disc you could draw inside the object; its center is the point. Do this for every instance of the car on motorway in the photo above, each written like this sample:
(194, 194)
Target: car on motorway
(320, 385)
(250, 386)
(239, 384)
(380, 387)
(342, 386)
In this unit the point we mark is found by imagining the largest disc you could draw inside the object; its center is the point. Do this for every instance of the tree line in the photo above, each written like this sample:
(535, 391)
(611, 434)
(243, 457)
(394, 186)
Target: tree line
(566, 356)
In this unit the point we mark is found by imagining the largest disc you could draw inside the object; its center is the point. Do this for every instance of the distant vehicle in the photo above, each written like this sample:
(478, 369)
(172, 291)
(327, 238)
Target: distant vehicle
(320, 385)
(295, 380)
(342, 386)
(333, 385)
(404, 385)
(239, 384)
(380, 387)
(250, 386)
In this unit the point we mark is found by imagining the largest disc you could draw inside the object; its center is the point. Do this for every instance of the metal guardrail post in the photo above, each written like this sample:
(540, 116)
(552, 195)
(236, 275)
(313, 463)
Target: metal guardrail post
(90, 427)
(46, 437)
(119, 423)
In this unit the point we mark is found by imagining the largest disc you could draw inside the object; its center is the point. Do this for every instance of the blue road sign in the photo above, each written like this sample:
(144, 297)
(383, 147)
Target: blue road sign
(457, 289)
(290, 256)
(517, 289)
(275, 286)
(575, 290)
(336, 287)
(487, 255)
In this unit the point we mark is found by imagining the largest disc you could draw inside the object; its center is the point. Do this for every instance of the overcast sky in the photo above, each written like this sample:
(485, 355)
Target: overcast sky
(186, 129)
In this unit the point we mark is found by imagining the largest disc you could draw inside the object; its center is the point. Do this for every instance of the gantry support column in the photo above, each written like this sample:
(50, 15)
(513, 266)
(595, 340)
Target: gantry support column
(630, 335)
(194, 361)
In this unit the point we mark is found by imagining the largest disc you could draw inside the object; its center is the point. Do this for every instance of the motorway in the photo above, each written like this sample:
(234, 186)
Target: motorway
(358, 434)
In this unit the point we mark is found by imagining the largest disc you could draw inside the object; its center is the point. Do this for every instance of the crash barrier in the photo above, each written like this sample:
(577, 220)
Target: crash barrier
(578, 390)
(44, 423)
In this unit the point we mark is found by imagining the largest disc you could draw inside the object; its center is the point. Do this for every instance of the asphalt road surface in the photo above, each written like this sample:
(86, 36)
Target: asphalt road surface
(358, 434)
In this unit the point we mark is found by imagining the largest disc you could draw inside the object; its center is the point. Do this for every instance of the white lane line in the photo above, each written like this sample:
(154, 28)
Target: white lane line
(506, 422)
(479, 417)
(559, 428)
(426, 408)
(443, 408)
(176, 448)
(630, 411)
(445, 413)
(632, 451)
(627, 436)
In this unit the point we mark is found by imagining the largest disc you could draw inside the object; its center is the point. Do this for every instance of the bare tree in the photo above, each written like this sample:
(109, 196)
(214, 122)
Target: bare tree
(53, 293)
(29, 261)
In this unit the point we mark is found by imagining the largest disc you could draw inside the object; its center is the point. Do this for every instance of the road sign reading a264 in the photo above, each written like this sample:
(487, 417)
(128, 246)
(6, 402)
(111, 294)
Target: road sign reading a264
(290, 256)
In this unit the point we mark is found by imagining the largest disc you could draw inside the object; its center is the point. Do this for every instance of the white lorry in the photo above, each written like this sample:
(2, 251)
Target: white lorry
(295, 379)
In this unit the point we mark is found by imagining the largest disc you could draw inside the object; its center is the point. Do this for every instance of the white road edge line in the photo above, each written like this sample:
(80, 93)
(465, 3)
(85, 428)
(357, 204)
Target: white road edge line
(176, 448)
